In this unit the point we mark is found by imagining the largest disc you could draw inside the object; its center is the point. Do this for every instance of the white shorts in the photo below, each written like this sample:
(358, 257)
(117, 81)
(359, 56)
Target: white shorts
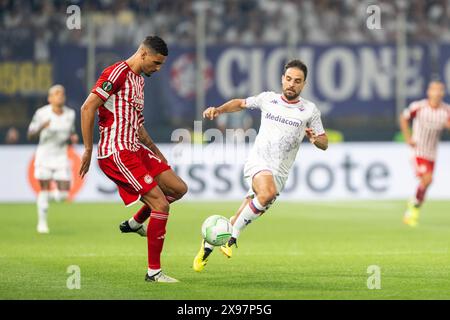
(57, 174)
(251, 170)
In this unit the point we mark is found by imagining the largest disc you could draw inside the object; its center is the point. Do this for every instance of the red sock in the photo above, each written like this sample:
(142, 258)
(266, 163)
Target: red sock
(420, 194)
(156, 230)
(142, 214)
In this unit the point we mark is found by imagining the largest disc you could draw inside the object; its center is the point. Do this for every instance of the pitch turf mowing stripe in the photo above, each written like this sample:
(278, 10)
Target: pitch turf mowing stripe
(319, 251)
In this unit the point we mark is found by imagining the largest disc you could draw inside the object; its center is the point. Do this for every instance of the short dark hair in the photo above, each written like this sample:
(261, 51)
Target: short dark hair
(156, 44)
(296, 64)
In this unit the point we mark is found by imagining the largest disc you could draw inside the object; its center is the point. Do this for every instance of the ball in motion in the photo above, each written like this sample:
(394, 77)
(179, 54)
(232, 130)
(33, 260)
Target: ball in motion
(216, 230)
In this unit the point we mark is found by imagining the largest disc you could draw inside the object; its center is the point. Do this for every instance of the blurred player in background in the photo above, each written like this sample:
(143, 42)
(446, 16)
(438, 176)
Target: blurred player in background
(285, 119)
(54, 124)
(429, 117)
(127, 154)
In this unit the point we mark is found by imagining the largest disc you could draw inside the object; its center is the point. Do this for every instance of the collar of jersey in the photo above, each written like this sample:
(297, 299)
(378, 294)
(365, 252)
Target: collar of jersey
(294, 104)
(131, 69)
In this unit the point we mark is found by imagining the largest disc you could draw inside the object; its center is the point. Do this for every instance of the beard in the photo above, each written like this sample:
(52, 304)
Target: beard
(290, 95)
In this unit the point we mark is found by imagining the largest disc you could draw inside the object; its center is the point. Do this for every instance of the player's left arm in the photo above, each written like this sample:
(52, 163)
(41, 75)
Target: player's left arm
(145, 139)
(320, 141)
(315, 131)
(74, 139)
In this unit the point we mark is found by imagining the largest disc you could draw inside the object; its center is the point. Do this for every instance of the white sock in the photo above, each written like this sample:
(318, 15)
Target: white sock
(152, 272)
(134, 224)
(251, 212)
(60, 195)
(42, 206)
(209, 246)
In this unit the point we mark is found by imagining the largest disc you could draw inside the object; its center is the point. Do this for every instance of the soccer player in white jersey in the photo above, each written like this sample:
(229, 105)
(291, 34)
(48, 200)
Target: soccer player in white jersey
(285, 119)
(430, 117)
(54, 124)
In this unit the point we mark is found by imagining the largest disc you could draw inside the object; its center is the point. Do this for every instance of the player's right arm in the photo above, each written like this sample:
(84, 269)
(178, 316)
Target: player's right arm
(36, 126)
(408, 114)
(406, 130)
(109, 82)
(233, 105)
(448, 119)
(88, 111)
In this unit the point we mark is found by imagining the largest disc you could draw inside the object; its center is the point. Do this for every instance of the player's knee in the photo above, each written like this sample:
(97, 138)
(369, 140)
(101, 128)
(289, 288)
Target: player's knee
(44, 185)
(162, 206)
(178, 191)
(61, 195)
(160, 203)
(427, 180)
(267, 196)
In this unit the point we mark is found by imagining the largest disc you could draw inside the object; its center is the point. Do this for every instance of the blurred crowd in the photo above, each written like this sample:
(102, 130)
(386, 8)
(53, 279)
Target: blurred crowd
(32, 26)
(126, 22)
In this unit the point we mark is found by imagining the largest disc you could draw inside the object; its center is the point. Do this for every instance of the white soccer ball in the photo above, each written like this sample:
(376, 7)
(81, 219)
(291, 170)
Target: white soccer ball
(216, 230)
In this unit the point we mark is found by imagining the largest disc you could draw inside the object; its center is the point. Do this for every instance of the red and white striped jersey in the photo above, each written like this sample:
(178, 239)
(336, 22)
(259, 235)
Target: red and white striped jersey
(428, 124)
(121, 115)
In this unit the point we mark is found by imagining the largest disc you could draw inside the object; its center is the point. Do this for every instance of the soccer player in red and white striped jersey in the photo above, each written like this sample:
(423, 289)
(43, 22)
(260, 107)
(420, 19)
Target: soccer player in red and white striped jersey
(126, 153)
(429, 118)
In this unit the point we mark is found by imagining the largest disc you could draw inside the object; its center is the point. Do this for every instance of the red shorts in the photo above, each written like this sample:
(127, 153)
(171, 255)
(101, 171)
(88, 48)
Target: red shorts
(133, 172)
(423, 166)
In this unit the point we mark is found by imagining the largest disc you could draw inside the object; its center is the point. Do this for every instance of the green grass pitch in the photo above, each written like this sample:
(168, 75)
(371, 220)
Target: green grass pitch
(299, 250)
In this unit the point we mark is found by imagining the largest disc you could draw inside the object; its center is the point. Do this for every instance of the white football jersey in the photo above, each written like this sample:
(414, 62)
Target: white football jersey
(53, 140)
(282, 129)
